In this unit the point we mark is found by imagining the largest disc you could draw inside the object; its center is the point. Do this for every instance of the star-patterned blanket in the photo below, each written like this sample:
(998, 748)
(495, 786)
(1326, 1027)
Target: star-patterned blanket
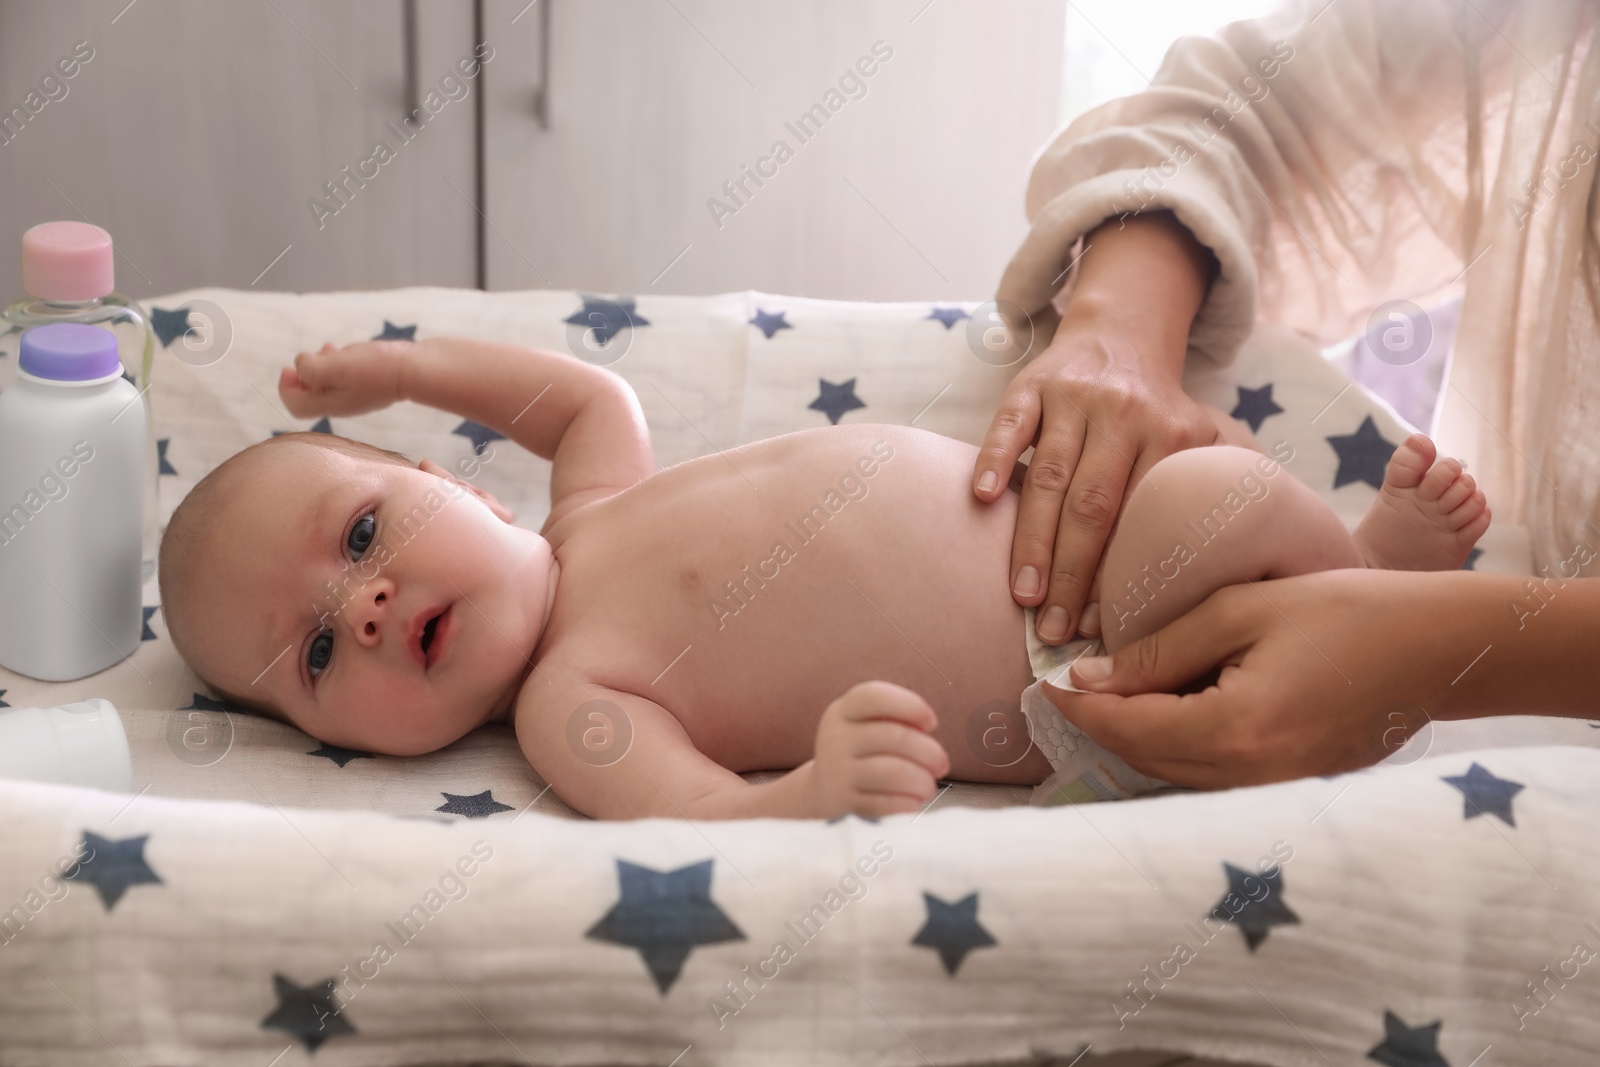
(1442, 914)
(266, 899)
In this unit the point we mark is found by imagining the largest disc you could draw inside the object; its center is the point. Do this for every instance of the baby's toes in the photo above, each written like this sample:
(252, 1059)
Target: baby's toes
(1470, 510)
(1444, 474)
(1460, 491)
(1410, 462)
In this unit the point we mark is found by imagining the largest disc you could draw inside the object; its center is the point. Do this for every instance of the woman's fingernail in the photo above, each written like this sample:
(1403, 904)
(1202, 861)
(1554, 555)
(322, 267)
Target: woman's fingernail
(1089, 622)
(1053, 624)
(1092, 668)
(1027, 581)
(987, 481)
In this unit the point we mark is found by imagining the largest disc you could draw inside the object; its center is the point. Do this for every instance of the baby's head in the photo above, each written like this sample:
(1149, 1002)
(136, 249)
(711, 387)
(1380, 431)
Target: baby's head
(300, 578)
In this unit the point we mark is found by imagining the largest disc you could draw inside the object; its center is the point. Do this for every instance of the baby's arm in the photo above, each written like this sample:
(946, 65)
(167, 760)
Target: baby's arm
(584, 419)
(616, 755)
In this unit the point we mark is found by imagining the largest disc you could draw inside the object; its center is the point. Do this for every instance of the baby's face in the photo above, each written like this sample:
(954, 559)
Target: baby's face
(381, 607)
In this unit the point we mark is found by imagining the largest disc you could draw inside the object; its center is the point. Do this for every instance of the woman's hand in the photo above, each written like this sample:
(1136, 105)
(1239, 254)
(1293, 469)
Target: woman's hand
(1100, 406)
(1321, 673)
(352, 380)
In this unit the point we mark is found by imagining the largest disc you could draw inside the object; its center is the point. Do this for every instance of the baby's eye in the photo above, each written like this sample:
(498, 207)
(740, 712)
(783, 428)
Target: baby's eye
(320, 653)
(361, 536)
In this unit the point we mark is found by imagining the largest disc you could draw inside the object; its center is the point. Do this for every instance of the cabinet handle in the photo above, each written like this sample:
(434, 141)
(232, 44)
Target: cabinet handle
(541, 92)
(408, 44)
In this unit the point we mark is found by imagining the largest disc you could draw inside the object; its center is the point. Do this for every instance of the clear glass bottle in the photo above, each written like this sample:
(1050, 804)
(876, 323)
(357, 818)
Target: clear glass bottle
(68, 275)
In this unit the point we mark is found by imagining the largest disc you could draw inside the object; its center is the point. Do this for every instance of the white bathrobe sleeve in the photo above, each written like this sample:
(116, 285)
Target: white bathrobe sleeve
(1313, 151)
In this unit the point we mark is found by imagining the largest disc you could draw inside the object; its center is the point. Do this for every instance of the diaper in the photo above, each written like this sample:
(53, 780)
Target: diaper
(1084, 771)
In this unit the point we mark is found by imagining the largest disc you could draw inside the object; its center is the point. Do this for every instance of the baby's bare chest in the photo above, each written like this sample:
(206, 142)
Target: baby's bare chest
(744, 592)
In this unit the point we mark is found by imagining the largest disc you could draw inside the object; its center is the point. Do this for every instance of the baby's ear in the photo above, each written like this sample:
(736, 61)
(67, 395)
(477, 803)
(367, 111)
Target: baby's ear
(428, 466)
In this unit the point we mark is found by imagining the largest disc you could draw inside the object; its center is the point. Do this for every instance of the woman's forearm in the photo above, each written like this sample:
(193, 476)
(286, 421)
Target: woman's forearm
(1525, 645)
(1144, 276)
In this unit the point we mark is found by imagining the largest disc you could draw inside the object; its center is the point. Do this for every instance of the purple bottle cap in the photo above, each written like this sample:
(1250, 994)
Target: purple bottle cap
(69, 352)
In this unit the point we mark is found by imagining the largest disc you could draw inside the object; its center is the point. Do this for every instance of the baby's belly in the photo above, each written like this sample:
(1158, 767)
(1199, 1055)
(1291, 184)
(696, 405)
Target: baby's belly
(748, 598)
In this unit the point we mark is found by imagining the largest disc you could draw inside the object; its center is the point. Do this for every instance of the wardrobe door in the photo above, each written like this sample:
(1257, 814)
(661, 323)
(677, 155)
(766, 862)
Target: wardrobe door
(225, 144)
(832, 148)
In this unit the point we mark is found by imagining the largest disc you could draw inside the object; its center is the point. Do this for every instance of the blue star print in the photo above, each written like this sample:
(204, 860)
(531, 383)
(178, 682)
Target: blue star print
(170, 325)
(479, 434)
(477, 806)
(309, 1014)
(1257, 918)
(770, 324)
(948, 316)
(1363, 455)
(338, 755)
(835, 400)
(1482, 793)
(114, 867)
(664, 915)
(606, 318)
(1408, 1046)
(1255, 406)
(952, 929)
(391, 332)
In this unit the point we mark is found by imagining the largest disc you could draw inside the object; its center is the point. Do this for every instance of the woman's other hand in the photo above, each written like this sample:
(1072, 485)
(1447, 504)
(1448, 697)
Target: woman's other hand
(1100, 406)
(1320, 673)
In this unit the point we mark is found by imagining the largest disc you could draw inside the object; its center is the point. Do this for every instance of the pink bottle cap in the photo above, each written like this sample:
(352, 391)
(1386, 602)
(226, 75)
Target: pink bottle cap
(67, 261)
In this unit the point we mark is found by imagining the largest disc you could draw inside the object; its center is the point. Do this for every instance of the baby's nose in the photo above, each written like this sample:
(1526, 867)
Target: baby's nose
(372, 616)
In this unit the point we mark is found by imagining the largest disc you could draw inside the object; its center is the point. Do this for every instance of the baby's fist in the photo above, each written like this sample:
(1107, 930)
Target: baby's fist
(352, 380)
(875, 755)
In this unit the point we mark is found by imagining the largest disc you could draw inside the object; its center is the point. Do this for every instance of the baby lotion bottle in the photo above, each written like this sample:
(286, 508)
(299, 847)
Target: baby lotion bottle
(72, 435)
(68, 273)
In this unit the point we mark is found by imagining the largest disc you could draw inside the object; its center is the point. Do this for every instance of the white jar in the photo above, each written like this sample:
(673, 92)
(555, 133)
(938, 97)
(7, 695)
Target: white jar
(71, 470)
(76, 744)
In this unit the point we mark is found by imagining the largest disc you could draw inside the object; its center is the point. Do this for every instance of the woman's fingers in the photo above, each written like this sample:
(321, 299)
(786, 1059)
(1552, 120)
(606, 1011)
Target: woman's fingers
(1093, 500)
(1044, 487)
(1009, 435)
(1207, 739)
(1215, 631)
(1147, 730)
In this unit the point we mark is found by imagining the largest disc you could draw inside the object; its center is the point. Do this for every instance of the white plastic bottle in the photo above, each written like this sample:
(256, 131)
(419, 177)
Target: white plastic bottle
(68, 272)
(71, 469)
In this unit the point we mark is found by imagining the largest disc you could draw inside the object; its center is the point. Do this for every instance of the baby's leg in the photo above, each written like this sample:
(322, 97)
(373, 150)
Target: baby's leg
(1209, 517)
(1205, 518)
(1429, 512)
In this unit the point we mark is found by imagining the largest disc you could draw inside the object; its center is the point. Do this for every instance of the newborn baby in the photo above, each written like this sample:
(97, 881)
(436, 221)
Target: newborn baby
(832, 602)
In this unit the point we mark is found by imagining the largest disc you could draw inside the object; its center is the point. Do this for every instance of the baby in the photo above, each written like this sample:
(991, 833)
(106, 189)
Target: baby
(832, 602)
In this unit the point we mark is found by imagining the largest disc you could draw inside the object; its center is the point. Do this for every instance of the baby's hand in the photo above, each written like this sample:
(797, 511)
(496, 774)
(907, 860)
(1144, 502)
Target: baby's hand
(874, 753)
(352, 380)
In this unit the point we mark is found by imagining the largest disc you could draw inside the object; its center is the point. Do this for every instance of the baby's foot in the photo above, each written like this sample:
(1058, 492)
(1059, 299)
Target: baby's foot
(1427, 516)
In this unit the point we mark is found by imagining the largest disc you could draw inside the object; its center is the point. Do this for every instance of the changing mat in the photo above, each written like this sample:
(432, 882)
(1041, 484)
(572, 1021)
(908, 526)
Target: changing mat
(265, 899)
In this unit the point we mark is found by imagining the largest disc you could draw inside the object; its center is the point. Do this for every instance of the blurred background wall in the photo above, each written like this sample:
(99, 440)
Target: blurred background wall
(616, 146)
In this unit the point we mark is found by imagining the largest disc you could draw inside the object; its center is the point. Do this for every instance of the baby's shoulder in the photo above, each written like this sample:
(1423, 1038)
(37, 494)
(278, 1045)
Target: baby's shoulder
(594, 721)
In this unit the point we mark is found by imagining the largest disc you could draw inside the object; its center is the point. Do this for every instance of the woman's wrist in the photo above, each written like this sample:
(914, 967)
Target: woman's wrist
(1513, 644)
(1142, 279)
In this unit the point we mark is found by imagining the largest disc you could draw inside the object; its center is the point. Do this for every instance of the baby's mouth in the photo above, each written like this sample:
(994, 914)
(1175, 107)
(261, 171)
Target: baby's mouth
(437, 635)
(429, 637)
